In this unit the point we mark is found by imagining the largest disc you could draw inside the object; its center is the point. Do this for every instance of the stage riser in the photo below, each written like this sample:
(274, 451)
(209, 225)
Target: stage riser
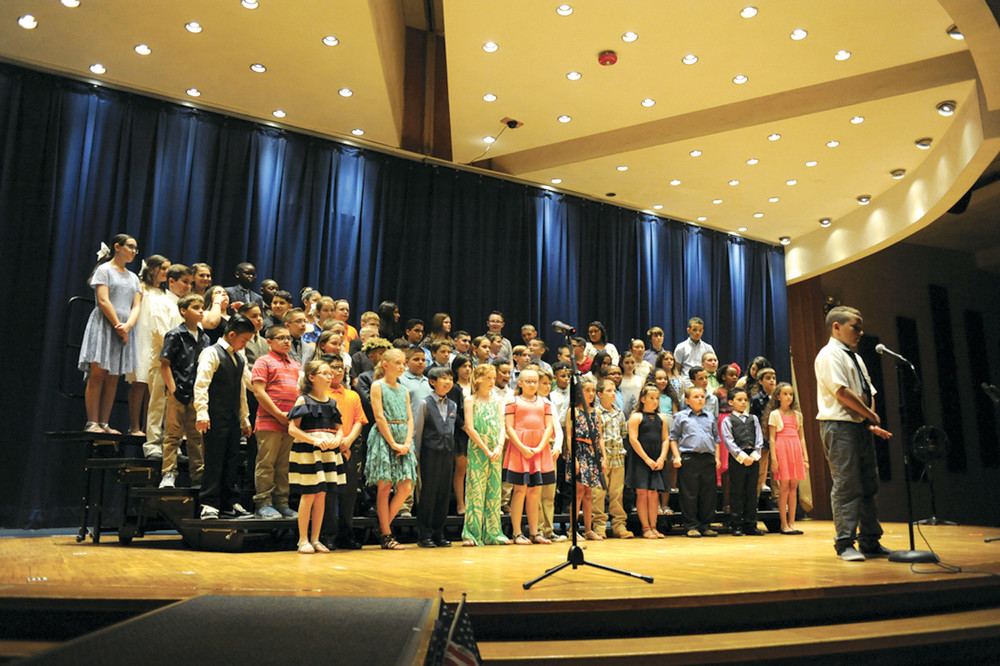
(592, 621)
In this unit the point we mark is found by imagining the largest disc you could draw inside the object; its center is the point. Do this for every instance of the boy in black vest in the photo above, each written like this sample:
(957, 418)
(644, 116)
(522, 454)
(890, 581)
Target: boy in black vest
(220, 400)
(741, 434)
(434, 442)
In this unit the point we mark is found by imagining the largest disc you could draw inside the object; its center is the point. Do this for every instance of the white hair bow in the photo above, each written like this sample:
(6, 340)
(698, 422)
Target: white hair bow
(105, 251)
(142, 269)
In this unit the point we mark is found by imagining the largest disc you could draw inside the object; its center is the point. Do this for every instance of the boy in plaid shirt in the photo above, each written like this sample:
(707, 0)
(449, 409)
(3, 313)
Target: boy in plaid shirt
(614, 431)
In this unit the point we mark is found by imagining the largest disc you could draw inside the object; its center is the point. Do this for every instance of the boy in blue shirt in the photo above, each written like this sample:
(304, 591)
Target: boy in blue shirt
(434, 422)
(694, 436)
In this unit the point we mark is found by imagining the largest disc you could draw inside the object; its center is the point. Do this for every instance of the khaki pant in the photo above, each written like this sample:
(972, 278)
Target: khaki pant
(179, 423)
(154, 416)
(270, 475)
(546, 509)
(614, 482)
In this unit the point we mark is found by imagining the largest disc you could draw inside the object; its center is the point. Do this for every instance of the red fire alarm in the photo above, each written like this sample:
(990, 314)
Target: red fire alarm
(607, 58)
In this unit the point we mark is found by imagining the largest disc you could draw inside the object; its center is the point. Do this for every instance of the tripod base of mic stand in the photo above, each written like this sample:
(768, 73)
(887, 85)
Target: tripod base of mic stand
(913, 556)
(574, 558)
(934, 520)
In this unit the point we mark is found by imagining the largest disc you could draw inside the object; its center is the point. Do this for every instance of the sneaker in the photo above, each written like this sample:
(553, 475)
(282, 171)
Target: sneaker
(168, 480)
(237, 512)
(559, 537)
(268, 512)
(287, 512)
(694, 534)
(209, 512)
(405, 513)
(710, 533)
(765, 488)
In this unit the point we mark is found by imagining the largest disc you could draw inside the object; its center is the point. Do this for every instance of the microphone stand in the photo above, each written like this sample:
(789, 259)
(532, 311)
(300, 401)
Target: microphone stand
(575, 557)
(911, 556)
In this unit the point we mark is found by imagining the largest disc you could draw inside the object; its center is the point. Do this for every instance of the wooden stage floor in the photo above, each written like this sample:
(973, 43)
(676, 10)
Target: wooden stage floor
(686, 571)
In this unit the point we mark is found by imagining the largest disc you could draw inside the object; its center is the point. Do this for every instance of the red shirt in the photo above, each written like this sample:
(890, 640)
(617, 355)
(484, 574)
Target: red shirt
(280, 375)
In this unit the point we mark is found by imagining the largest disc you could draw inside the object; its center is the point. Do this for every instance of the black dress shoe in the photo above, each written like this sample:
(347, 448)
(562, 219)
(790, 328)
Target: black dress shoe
(737, 532)
(753, 531)
(349, 544)
(331, 544)
(442, 543)
(878, 550)
(427, 543)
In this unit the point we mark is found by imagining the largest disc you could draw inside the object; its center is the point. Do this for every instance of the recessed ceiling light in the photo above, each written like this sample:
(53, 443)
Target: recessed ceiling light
(791, 181)
(574, 76)
(799, 34)
(832, 144)
(564, 10)
(555, 181)
(825, 222)
(250, 4)
(857, 120)
(758, 215)
(741, 229)
(98, 68)
(955, 33)
(946, 108)
(70, 3)
(785, 240)
(622, 168)
(564, 119)
(657, 206)
(752, 161)
(675, 182)
(811, 163)
(648, 102)
(734, 182)
(27, 22)
(748, 12)
(841, 55)
(143, 49)
(689, 59)
(695, 153)
(773, 199)
(865, 199)
(278, 113)
(629, 36)
(774, 136)
(702, 218)
(358, 131)
(897, 173)
(489, 139)
(259, 68)
(924, 143)
(490, 47)
(489, 97)
(330, 40)
(345, 92)
(716, 201)
(193, 92)
(739, 79)
(193, 26)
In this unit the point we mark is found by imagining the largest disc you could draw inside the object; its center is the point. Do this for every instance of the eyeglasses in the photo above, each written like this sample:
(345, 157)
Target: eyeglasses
(132, 246)
(282, 338)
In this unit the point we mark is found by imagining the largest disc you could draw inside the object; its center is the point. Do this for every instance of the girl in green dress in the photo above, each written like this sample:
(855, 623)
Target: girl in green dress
(485, 427)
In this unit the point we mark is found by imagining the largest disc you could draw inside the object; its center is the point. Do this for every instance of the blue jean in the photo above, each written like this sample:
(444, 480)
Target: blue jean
(850, 452)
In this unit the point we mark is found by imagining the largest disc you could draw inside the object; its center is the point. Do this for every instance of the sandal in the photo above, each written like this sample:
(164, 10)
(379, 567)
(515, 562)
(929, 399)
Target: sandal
(659, 534)
(93, 426)
(468, 542)
(389, 543)
(136, 433)
(305, 548)
(648, 532)
(539, 539)
(109, 430)
(591, 535)
(521, 540)
(319, 547)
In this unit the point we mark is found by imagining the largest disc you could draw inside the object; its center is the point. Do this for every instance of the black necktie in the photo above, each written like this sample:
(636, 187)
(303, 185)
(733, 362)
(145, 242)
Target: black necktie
(866, 393)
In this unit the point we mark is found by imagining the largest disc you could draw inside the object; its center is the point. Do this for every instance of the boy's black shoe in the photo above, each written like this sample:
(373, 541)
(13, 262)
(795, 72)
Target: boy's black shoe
(753, 531)
(349, 543)
(737, 531)
(442, 543)
(427, 543)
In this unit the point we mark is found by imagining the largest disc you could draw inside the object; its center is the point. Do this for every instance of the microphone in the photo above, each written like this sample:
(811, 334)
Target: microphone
(560, 327)
(882, 349)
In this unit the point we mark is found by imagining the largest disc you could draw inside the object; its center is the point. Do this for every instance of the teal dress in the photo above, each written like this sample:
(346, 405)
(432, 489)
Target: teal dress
(482, 478)
(383, 463)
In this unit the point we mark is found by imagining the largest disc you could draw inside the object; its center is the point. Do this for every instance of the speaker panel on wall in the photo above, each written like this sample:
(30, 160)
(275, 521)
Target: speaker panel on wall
(948, 377)
(979, 368)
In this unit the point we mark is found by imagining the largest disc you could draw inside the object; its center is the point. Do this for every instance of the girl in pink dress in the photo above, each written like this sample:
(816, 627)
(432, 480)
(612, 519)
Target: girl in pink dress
(789, 459)
(528, 462)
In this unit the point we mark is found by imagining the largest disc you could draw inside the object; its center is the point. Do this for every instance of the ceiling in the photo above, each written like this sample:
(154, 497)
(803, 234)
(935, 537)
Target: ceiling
(613, 147)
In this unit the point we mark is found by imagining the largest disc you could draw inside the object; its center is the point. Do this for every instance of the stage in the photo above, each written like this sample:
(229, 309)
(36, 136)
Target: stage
(749, 585)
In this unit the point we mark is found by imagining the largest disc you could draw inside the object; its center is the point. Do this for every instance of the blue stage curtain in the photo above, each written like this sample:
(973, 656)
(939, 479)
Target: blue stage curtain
(80, 163)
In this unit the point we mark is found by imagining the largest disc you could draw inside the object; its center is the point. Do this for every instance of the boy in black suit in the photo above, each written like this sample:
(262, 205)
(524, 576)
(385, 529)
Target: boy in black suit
(434, 442)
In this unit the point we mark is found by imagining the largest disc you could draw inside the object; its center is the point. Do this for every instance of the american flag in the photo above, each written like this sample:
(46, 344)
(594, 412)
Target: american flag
(452, 641)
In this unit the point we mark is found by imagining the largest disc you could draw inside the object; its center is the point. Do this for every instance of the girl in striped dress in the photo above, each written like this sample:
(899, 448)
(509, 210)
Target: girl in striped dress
(315, 463)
